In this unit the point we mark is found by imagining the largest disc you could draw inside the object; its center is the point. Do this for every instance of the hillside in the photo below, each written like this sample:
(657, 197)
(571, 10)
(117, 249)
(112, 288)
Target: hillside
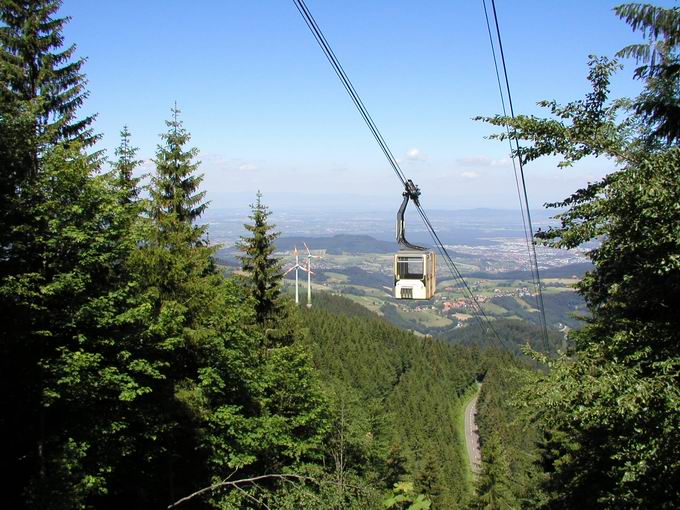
(396, 399)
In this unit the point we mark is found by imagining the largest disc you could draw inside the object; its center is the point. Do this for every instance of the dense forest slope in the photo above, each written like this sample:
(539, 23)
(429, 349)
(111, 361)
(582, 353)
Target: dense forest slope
(397, 398)
(513, 335)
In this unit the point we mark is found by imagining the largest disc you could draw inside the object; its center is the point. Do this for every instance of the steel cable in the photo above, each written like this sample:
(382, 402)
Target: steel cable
(307, 16)
(531, 245)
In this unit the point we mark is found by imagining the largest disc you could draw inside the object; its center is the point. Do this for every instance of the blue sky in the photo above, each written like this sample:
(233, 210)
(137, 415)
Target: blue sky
(267, 112)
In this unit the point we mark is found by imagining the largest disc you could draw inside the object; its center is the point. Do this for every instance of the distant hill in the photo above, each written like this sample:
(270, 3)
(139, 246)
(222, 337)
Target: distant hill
(338, 244)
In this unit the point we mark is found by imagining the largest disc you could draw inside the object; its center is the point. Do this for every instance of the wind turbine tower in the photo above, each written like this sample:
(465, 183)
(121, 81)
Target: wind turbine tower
(297, 267)
(309, 274)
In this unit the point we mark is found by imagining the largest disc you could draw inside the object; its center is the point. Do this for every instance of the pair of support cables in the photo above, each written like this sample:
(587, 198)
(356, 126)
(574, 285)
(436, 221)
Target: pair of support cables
(480, 315)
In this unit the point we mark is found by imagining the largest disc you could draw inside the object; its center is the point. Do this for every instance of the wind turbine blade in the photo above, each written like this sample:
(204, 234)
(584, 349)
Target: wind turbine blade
(306, 248)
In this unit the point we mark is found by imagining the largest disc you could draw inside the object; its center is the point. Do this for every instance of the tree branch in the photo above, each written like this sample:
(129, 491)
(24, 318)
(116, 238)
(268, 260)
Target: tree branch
(237, 483)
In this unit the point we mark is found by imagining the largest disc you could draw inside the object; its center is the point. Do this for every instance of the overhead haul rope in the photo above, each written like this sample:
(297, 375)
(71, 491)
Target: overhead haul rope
(514, 165)
(521, 193)
(311, 23)
(337, 67)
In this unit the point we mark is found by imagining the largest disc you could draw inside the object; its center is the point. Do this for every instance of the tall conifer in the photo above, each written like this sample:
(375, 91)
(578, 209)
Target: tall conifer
(175, 184)
(494, 487)
(38, 71)
(263, 269)
(59, 237)
(124, 167)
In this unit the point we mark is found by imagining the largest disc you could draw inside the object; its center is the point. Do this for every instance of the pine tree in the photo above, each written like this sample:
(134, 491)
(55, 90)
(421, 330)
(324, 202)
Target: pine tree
(41, 89)
(190, 322)
(61, 247)
(264, 270)
(62, 359)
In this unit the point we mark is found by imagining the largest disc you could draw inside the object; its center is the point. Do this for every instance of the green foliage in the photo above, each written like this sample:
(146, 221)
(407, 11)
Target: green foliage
(60, 358)
(658, 106)
(395, 399)
(263, 270)
(174, 186)
(494, 489)
(62, 242)
(38, 71)
(515, 335)
(132, 372)
(124, 167)
(404, 497)
(509, 439)
(611, 408)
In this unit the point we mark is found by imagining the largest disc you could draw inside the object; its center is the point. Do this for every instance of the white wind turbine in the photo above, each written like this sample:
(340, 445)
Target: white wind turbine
(309, 274)
(297, 267)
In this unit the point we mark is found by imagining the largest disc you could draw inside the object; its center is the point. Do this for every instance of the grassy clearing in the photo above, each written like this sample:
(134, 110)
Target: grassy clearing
(370, 291)
(557, 290)
(335, 277)
(525, 305)
(426, 318)
(493, 309)
(563, 281)
(371, 303)
(462, 316)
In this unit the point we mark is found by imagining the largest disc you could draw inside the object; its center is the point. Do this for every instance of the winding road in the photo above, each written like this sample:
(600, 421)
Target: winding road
(472, 435)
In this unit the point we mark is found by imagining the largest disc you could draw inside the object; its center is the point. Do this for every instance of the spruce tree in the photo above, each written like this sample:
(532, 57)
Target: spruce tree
(175, 183)
(189, 322)
(263, 269)
(494, 488)
(41, 89)
(39, 74)
(124, 167)
(60, 242)
(63, 357)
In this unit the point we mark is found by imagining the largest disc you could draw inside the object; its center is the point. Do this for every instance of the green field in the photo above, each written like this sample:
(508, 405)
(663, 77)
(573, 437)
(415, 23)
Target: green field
(335, 277)
(493, 309)
(557, 290)
(426, 318)
(563, 281)
(371, 303)
(525, 305)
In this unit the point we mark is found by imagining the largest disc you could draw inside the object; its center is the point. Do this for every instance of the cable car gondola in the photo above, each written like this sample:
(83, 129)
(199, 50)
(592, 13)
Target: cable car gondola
(414, 266)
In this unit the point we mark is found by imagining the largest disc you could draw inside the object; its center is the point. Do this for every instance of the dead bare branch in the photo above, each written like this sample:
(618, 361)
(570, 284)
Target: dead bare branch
(243, 481)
